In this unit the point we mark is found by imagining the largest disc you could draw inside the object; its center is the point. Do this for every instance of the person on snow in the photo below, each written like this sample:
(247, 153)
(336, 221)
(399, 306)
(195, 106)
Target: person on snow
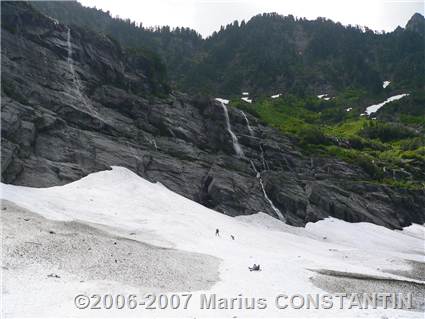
(254, 268)
(217, 232)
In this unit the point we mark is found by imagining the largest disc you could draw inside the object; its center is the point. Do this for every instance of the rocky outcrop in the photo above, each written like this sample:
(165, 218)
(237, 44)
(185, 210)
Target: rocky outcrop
(416, 23)
(73, 103)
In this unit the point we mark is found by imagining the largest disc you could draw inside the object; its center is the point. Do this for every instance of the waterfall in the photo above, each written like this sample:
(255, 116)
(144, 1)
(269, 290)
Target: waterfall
(254, 168)
(251, 132)
(75, 79)
(70, 61)
(236, 146)
(239, 152)
(275, 209)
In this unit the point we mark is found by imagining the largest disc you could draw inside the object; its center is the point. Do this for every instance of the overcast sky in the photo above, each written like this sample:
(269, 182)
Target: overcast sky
(206, 16)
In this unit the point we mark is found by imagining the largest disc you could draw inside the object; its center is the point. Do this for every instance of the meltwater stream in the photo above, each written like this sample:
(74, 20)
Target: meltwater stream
(275, 209)
(251, 132)
(75, 79)
(239, 152)
(258, 174)
(236, 145)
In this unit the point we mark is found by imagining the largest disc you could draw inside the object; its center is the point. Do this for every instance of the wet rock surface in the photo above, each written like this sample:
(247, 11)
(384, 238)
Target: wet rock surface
(73, 102)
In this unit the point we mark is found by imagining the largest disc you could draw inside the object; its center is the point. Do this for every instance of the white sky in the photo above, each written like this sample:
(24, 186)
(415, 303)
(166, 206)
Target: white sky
(206, 16)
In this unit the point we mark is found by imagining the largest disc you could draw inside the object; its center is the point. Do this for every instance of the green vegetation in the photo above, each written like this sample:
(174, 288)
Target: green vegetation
(269, 53)
(9, 89)
(155, 70)
(409, 111)
(272, 53)
(391, 153)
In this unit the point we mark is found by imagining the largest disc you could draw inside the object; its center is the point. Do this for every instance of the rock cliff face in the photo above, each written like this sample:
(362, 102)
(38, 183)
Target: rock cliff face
(416, 23)
(73, 103)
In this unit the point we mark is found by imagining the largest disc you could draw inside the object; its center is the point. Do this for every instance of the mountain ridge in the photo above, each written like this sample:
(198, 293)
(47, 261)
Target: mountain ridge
(416, 23)
(298, 56)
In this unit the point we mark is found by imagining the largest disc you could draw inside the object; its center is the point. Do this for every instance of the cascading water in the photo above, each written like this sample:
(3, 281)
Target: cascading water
(275, 209)
(75, 79)
(251, 132)
(236, 145)
(239, 152)
(257, 173)
(70, 61)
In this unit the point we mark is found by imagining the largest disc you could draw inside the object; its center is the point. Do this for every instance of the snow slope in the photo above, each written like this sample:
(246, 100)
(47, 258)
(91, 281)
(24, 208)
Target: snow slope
(121, 202)
(221, 100)
(385, 84)
(374, 108)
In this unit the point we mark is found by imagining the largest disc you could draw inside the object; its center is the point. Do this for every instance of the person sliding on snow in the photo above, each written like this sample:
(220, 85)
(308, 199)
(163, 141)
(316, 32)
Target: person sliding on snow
(217, 232)
(254, 268)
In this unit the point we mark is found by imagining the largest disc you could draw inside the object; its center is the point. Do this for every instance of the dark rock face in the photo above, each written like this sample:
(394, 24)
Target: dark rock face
(416, 23)
(73, 103)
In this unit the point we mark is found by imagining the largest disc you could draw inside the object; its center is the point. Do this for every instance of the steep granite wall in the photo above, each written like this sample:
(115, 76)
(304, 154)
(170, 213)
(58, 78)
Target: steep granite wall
(73, 103)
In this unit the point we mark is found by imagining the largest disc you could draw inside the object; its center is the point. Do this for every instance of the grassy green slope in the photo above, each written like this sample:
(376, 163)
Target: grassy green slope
(390, 148)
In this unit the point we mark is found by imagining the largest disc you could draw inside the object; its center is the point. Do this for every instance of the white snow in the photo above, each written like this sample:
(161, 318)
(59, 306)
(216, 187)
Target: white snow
(121, 200)
(246, 99)
(276, 96)
(374, 108)
(348, 109)
(415, 230)
(245, 93)
(385, 84)
(324, 97)
(221, 100)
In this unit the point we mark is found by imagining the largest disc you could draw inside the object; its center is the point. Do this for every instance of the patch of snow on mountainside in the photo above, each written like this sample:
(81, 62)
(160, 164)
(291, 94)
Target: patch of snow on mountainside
(385, 84)
(374, 108)
(121, 203)
(221, 100)
(246, 99)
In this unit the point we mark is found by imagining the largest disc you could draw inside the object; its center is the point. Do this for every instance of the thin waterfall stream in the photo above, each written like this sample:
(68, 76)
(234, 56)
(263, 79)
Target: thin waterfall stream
(260, 179)
(250, 130)
(75, 79)
(238, 149)
(236, 145)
